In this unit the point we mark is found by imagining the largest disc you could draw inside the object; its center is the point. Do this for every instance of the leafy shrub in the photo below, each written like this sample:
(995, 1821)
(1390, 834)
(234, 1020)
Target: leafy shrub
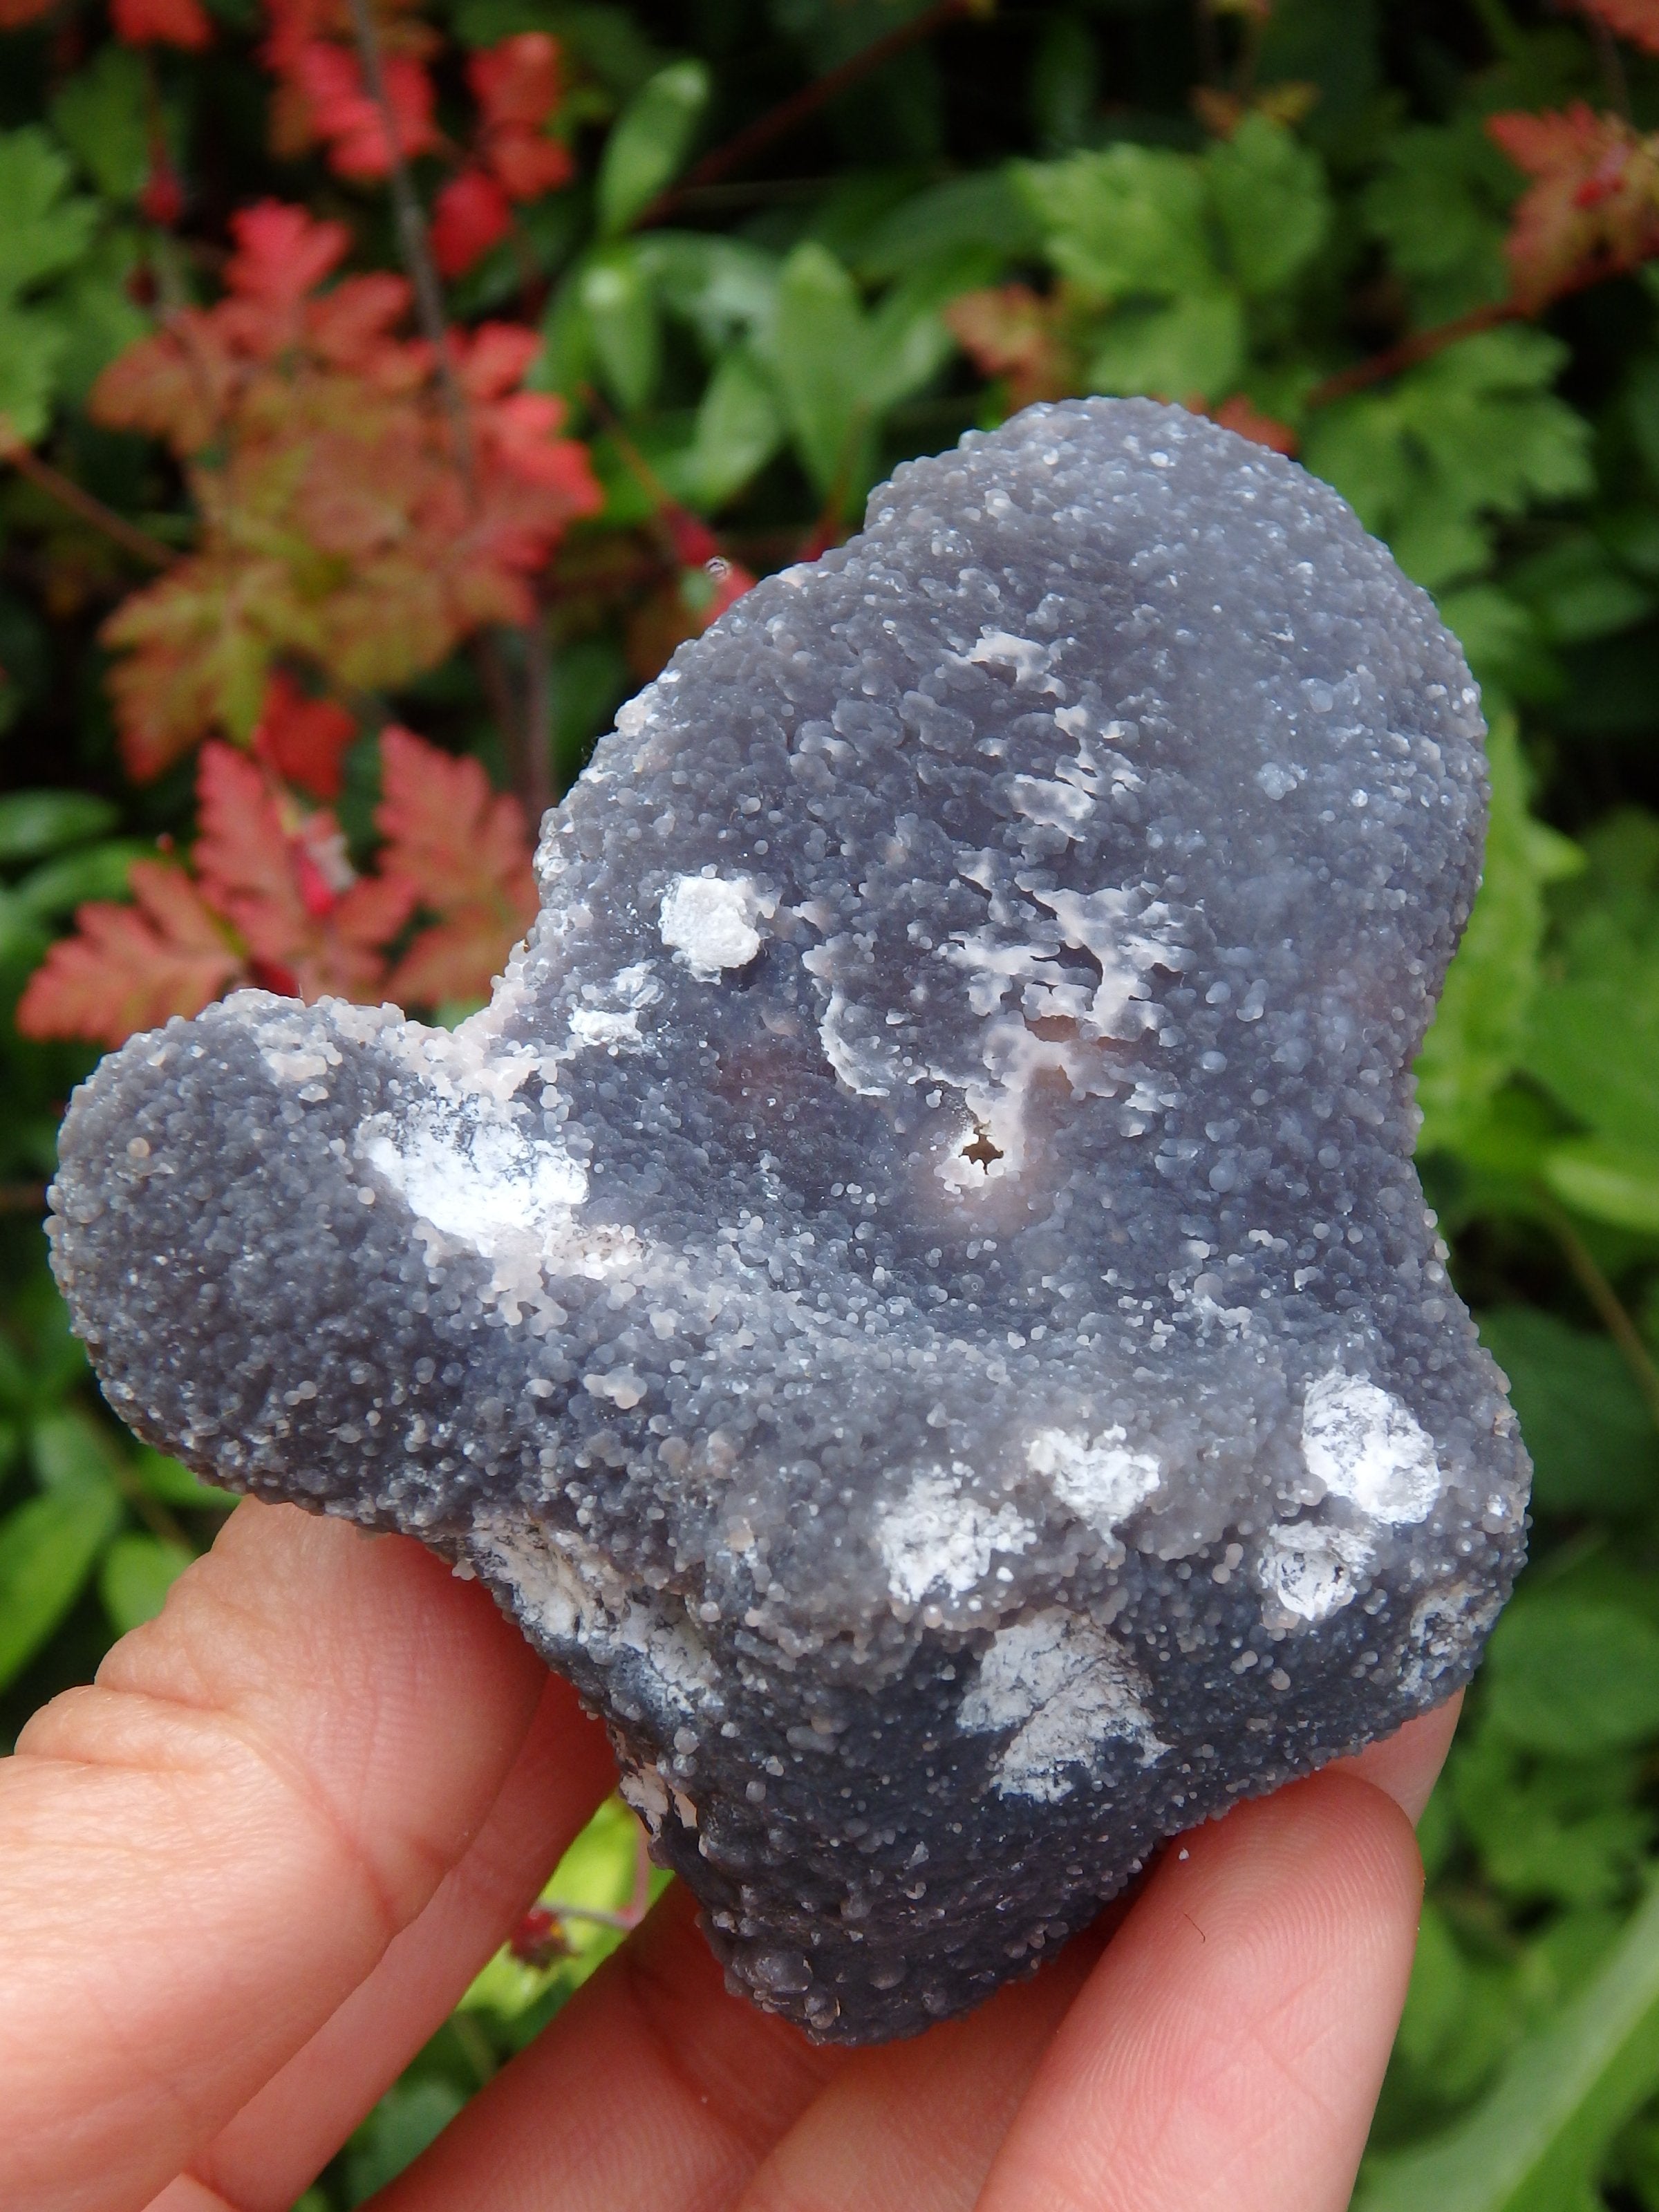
(378, 409)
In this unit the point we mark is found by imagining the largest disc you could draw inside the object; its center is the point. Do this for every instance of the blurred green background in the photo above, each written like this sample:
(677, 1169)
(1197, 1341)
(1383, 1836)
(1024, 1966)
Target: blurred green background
(1294, 217)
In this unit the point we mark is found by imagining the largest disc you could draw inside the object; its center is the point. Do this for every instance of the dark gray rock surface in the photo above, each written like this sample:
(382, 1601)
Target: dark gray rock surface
(915, 1292)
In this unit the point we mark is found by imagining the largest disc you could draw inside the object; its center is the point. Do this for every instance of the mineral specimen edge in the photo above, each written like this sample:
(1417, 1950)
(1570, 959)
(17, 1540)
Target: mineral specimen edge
(915, 1291)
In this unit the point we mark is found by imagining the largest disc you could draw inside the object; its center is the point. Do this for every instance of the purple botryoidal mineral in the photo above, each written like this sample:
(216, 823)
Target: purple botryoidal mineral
(915, 1291)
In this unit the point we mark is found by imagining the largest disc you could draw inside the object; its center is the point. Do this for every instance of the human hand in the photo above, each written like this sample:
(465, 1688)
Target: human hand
(246, 1874)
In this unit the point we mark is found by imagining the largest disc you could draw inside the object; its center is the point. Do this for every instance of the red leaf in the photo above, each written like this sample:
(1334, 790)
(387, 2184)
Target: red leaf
(1242, 415)
(1635, 19)
(464, 852)
(162, 199)
(518, 88)
(242, 855)
(161, 23)
(281, 253)
(470, 216)
(528, 163)
(518, 80)
(1011, 331)
(1595, 204)
(303, 740)
(129, 968)
(343, 112)
(287, 885)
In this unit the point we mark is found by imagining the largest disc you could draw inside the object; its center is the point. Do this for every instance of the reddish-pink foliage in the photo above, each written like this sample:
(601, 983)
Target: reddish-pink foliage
(1635, 19)
(161, 23)
(130, 968)
(303, 740)
(342, 526)
(469, 215)
(464, 851)
(272, 898)
(518, 87)
(321, 97)
(1595, 205)
(1011, 332)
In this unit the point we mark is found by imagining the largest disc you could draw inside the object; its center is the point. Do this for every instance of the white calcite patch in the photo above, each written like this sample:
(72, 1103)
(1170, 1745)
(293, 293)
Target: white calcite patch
(940, 1538)
(569, 1596)
(1026, 659)
(1308, 1572)
(709, 922)
(1068, 1690)
(1364, 1445)
(1097, 1477)
(479, 1180)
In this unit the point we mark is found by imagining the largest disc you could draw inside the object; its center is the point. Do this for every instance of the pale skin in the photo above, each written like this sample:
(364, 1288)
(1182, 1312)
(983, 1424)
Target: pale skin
(246, 1874)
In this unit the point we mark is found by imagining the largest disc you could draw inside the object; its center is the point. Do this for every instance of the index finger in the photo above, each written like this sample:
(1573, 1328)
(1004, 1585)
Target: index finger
(204, 1852)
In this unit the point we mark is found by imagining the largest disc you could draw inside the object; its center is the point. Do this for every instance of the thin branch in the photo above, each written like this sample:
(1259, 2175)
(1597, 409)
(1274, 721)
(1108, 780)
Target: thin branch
(778, 122)
(67, 493)
(412, 241)
(1609, 1307)
(1423, 345)
(22, 1198)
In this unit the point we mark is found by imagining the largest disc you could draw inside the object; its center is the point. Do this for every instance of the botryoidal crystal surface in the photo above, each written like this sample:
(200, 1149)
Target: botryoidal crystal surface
(914, 1292)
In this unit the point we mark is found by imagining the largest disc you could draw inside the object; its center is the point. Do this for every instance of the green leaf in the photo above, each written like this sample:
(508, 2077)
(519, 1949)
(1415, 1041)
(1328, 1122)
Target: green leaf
(738, 429)
(648, 142)
(1536, 2143)
(622, 317)
(136, 1573)
(1268, 193)
(1592, 1439)
(1480, 1032)
(98, 316)
(99, 872)
(817, 357)
(1474, 435)
(409, 2117)
(1504, 645)
(1616, 1183)
(47, 1549)
(1578, 590)
(905, 344)
(725, 289)
(1132, 219)
(174, 1485)
(1573, 1677)
(1440, 205)
(69, 1449)
(34, 823)
(986, 210)
(1550, 1830)
(1593, 1036)
(31, 347)
(1194, 348)
(44, 232)
(101, 114)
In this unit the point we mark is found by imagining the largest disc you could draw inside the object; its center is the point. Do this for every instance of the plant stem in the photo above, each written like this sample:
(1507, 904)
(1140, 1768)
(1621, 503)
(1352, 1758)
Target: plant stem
(779, 121)
(1609, 1307)
(1423, 345)
(412, 242)
(69, 494)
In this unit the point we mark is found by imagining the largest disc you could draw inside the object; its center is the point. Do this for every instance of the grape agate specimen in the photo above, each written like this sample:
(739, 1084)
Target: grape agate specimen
(915, 1291)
